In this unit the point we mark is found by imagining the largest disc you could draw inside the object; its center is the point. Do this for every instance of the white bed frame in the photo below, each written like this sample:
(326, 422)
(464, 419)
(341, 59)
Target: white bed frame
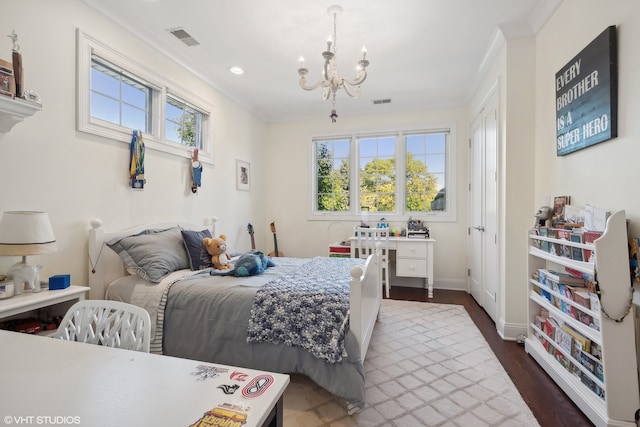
(105, 266)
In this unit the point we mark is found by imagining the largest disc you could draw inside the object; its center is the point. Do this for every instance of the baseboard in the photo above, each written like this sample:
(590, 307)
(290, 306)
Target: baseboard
(416, 282)
(511, 331)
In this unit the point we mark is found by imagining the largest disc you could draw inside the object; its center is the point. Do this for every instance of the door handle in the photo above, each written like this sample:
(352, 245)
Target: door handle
(479, 228)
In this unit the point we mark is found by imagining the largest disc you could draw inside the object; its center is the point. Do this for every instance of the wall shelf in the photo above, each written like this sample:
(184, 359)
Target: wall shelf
(14, 111)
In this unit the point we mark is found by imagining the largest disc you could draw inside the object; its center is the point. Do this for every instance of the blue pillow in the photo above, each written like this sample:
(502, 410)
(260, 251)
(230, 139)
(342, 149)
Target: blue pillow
(199, 258)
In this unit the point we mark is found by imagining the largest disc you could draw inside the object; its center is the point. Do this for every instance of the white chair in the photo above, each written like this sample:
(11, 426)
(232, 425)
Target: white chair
(110, 323)
(366, 245)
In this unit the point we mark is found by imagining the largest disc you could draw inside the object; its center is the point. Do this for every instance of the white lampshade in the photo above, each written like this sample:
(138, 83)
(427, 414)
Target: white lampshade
(25, 233)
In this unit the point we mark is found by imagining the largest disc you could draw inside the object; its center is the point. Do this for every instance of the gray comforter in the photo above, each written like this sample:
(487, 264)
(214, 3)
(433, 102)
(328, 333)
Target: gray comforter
(206, 318)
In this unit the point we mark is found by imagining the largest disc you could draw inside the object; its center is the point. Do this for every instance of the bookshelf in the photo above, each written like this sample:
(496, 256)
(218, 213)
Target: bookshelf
(604, 385)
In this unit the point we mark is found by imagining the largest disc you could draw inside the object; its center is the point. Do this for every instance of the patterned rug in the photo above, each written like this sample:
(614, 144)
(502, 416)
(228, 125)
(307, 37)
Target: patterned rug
(427, 365)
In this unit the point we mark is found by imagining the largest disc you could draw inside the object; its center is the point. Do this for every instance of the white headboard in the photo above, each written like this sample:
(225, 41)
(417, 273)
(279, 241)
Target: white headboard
(105, 265)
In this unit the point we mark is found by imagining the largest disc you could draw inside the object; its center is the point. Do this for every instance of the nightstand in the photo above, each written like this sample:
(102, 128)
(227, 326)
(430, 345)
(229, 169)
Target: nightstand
(45, 303)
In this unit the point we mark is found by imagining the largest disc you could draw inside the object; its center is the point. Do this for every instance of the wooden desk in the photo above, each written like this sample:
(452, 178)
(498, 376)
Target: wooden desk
(91, 385)
(414, 258)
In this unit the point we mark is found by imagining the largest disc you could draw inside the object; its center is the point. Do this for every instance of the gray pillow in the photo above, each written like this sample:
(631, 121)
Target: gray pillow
(152, 254)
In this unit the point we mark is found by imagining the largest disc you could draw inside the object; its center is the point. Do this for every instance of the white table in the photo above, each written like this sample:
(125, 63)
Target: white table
(414, 258)
(91, 385)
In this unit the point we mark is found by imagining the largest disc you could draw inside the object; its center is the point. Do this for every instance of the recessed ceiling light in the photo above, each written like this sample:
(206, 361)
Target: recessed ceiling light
(236, 70)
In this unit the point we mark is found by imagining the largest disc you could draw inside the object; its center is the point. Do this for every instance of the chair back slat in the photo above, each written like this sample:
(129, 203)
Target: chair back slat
(367, 239)
(109, 323)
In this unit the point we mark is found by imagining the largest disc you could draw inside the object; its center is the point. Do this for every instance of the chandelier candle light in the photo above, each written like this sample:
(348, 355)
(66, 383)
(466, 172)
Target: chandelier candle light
(330, 81)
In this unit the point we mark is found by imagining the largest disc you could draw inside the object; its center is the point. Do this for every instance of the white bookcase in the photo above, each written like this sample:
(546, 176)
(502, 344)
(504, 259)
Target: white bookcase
(617, 339)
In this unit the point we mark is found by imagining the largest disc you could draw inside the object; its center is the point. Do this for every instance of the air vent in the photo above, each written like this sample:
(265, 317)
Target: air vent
(381, 101)
(184, 37)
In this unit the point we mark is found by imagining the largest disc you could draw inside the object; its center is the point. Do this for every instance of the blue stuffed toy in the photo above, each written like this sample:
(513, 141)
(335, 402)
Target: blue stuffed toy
(251, 263)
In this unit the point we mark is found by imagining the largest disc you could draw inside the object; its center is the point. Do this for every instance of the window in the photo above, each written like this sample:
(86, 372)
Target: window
(398, 174)
(117, 96)
(425, 172)
(332, 175)
(377, 172)
(183, 124)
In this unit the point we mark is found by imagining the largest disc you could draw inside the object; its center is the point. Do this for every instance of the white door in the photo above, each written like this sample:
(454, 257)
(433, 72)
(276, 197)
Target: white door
(483, 214)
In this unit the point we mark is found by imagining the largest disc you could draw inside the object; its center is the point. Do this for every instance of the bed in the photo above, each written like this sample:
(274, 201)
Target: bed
(208, 315)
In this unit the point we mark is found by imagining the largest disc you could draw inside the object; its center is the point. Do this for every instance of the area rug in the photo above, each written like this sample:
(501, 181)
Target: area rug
(427, 365)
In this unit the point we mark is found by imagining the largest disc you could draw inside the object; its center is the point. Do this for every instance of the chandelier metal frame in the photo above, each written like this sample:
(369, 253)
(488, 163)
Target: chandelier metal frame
(331, 82)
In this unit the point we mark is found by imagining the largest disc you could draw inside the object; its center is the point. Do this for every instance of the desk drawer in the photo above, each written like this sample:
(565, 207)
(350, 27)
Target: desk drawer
(411, 250)
(411, 267)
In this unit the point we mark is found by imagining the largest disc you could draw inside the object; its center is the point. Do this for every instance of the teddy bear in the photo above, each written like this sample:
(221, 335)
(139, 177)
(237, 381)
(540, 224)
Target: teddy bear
(217, 248)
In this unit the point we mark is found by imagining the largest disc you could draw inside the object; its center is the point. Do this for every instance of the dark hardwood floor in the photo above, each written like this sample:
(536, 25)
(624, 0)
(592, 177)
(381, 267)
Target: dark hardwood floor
(547, 401)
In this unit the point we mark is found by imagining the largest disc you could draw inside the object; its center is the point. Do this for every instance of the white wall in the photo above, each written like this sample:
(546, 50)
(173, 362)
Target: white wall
(511, 74)
(288, 180)
(47, 165)
(605, 174)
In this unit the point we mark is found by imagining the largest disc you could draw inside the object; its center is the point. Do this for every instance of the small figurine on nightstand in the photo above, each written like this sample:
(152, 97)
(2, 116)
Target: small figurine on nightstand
(25, 274)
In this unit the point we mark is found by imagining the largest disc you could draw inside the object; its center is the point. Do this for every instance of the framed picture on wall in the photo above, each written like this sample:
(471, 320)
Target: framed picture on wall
(587, 96)
(243, 175)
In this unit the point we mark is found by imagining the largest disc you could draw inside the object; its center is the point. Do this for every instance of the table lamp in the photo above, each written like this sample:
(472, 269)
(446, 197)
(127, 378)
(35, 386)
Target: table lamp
(25, 233)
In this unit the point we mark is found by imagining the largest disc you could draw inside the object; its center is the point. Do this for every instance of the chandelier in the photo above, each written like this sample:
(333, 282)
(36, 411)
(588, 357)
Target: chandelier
(331, 82)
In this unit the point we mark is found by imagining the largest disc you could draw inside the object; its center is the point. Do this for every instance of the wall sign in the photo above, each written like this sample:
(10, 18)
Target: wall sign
(587, 96)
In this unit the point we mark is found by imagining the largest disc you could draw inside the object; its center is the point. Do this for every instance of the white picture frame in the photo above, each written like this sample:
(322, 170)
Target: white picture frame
(243, 175)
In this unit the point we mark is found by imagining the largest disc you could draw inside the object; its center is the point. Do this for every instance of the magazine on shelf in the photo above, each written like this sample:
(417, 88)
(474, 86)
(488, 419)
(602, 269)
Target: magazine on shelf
(563, 250)
(577, 254)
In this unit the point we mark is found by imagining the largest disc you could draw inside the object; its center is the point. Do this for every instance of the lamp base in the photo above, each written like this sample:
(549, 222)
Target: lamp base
(25, 274)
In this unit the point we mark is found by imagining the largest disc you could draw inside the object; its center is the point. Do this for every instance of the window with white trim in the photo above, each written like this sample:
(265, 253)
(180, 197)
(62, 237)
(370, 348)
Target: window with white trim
(398, 175)
(116, 96)
(119, 98)
(183, 123)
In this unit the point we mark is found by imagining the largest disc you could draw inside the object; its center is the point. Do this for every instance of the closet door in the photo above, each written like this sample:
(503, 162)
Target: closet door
(483, 219)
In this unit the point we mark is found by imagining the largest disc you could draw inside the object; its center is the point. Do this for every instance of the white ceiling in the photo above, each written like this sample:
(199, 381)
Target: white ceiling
(422, 53)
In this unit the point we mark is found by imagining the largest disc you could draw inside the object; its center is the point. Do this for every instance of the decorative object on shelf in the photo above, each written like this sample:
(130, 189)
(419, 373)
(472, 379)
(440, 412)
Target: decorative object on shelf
(543, 216)
(16, 56)
(559, 203)
(136, 162)
(32, 96)
(330, 80)
(7, 82)
(25, 233)
(243, 175)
